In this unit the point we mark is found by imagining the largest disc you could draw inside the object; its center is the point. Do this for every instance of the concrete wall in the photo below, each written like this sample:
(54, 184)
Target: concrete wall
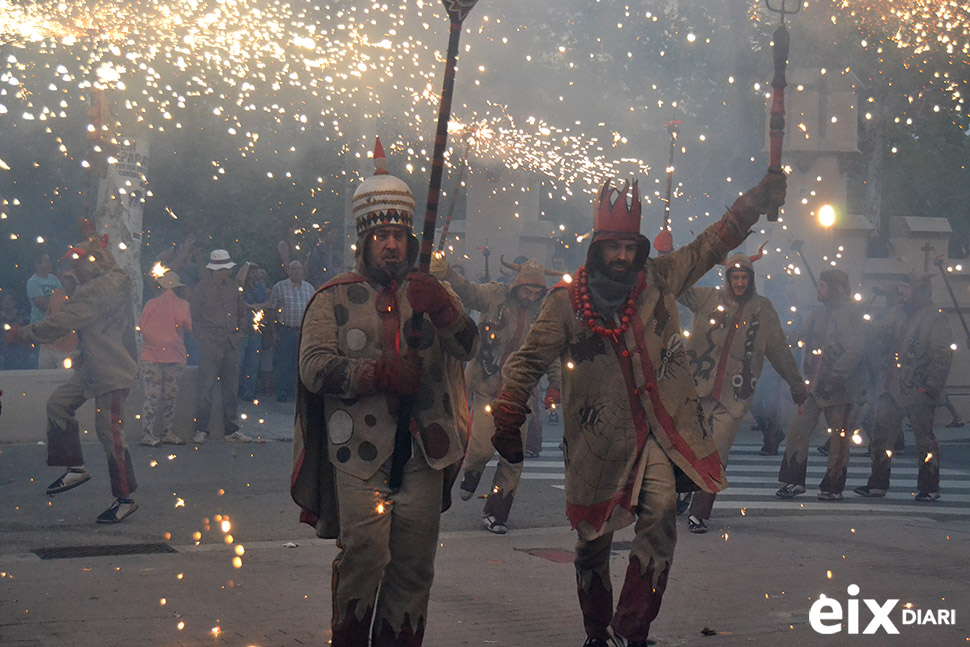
(25, 394)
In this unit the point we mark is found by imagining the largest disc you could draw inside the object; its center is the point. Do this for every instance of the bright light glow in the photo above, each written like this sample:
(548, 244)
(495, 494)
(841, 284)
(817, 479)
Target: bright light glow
(826, 215)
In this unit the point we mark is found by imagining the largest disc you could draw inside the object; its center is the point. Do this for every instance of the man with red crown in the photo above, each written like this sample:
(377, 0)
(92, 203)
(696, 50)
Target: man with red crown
(632, 424)
(507, 311)
(354, 367)
(735, 330)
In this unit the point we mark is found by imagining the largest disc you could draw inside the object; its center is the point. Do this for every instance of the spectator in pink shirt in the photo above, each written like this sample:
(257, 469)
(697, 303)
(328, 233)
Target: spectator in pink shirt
(163, 324)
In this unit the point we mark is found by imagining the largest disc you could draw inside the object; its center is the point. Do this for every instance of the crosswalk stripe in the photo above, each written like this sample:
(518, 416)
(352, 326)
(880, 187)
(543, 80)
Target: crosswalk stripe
(842, 506)
(740, 467)
(947, 485)
(901, 495)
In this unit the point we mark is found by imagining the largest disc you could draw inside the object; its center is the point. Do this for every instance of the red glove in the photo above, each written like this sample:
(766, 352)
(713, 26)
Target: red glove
(508, 413)
(553, 397)
(770, 192)
(400, 375)
(426, 294)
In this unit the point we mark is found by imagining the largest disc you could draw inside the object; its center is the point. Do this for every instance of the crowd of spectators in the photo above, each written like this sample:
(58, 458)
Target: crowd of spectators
(260, 352)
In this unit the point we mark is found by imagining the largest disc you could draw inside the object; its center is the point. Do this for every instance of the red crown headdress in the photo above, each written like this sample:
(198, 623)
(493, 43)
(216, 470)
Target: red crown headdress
(613, 217)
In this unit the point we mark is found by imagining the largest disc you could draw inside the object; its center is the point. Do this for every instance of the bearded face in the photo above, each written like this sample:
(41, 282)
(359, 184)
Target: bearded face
(616, 258)
(528, 294)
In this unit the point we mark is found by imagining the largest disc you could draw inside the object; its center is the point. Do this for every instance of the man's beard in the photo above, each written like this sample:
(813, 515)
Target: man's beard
(388, 269)
(619, 271)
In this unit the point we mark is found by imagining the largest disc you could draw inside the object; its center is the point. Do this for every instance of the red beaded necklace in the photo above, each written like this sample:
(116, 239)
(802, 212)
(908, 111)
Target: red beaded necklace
(583, 305)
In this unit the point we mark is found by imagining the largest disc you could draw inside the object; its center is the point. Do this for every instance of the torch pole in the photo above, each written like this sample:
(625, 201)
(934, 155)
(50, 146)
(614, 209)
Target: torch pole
(672, 130)
(457, 10)
(780, 42)
(462, 164)
(797, 246)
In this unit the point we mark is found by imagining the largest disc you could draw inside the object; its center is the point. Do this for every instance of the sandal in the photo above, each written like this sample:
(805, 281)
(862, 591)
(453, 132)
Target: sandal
(696, 525)
(494, 525)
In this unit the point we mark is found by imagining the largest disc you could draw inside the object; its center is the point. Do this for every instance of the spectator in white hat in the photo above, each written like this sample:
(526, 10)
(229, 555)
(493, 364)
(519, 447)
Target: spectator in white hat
(219, 320)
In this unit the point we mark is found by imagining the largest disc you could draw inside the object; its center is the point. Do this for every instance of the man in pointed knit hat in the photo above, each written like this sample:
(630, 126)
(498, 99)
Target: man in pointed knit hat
(631, 417)
(101, 313)
(911, 356)
(735, 330)
(507, 311)
(354, 367)
(833, 339)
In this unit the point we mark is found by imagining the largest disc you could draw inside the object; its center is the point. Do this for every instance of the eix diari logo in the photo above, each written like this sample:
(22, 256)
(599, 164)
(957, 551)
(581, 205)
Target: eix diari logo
(827, 615)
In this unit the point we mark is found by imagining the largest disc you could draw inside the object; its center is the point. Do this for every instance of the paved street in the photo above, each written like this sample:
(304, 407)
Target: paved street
(751, 580)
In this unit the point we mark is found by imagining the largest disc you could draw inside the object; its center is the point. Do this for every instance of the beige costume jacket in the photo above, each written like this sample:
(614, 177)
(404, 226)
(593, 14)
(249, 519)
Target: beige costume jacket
(503, 328)
(618, 391)
(101, 313)
(729, 343)
(911, 355)
(833, 342)
(343, 329)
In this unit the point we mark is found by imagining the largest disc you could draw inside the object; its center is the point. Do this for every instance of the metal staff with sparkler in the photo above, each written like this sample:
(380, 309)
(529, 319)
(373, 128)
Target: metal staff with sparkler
(796, 246)
(672, 131)
(776, 126)
(938, 261)
(462, 165)
(457, 11)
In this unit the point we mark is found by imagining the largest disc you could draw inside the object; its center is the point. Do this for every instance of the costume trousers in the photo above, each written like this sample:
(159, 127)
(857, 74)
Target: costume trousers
(651, 555)
(383, 572)
(886, 428)
(218, 366)
(480, 452)
(724, 426)
(64, 433)
(161, 385)
(795, 464)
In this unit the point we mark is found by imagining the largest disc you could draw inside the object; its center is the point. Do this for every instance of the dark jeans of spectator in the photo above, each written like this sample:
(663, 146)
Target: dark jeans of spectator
(285, 358)
(252, 346)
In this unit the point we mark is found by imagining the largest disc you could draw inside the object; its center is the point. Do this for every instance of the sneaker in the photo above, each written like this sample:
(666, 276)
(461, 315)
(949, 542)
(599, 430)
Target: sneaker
(767, 451)
(790, 491)
(871, 492)
(494, 525)
(464, 494)
(120, 509)
(148, 439)
(823, 450)
(956, 424)
(926, 497)
(200, 437)
(829, 496)
(696, 525)
(597, 642)
(73, 477)
(171, 439)
(683, 502)
(238, 437)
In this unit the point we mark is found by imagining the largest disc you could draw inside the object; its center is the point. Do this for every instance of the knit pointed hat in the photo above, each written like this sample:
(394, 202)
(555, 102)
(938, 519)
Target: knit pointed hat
(382, 199)
(530, 272)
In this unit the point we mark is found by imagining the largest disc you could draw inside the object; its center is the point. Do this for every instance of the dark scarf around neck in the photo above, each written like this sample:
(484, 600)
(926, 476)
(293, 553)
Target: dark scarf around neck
(607, 294)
